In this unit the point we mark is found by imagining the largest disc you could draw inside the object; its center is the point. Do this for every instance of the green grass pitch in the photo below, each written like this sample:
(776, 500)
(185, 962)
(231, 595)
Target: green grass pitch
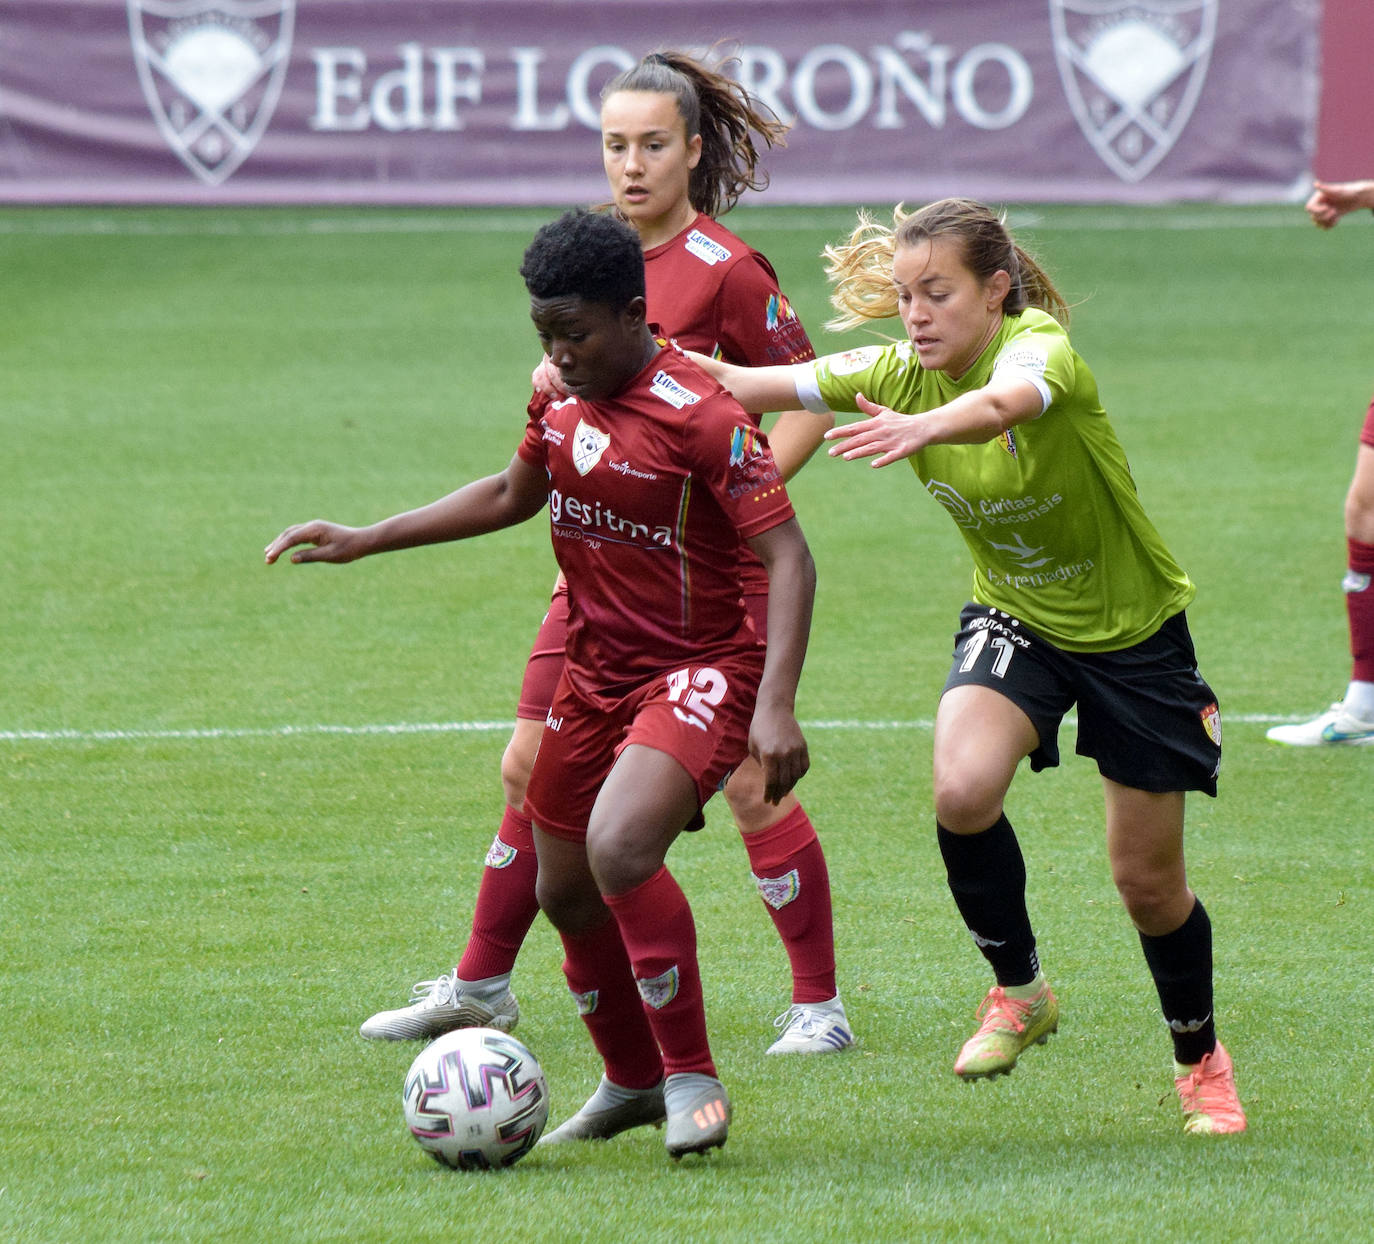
(216, 858)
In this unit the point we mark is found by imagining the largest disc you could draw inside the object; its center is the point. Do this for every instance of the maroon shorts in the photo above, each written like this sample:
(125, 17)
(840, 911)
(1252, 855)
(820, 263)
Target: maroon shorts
(1367, 432)
(545, 665)
(699, 715)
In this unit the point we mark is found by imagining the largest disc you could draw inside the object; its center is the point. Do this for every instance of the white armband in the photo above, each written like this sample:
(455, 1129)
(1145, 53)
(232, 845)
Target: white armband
(808, 391)
(1012, 371)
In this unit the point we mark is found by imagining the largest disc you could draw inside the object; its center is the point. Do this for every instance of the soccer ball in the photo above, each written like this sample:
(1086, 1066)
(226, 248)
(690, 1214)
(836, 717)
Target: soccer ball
(476, 1099)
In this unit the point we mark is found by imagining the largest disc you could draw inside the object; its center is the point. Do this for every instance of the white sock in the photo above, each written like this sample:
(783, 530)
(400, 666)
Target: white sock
(829, 1006)
(488, 987)
(608, 1095)
(1359, 700)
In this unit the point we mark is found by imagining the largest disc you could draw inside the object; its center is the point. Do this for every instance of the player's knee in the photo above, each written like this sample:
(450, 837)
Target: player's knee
(570, 908)
(1152, 900)
(620, 859)
(744, 794)
(517, 762)
(964, 804)
(1359, 515)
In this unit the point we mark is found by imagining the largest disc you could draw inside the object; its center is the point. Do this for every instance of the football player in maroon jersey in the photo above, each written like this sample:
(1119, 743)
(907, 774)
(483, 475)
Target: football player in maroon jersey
(653, 475)
(680, 145)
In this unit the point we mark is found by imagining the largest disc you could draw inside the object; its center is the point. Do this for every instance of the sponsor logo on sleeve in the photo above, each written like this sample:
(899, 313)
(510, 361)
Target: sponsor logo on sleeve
(708, 251)
(779, 312)
(744, 445)
(1023, 356)
(787, 340)
(671, 391)
(752, 467)
(849, 362)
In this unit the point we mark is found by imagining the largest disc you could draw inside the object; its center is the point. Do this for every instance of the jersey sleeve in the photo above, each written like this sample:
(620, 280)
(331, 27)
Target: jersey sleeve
(833, 383)
(733, 458)
(1040, 355)
(757, 325)
(532, 448)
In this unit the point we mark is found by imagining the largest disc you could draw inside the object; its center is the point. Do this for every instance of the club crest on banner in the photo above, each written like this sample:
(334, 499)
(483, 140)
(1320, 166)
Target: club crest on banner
(1132, 71)
(212, 73)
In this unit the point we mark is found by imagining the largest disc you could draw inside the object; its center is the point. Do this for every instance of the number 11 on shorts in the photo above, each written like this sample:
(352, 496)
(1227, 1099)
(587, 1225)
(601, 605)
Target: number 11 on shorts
(1002, 649)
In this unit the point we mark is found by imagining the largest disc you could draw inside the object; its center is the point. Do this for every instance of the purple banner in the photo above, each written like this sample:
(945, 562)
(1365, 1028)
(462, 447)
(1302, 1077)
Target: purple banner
(495, 101)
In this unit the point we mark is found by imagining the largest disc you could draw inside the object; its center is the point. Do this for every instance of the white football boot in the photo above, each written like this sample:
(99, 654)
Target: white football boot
(813, 1028)
(439, 1006)
(1335, 726)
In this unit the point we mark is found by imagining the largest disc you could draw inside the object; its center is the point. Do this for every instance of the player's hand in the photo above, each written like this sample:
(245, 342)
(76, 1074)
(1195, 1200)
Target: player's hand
(322, 541)
(548, 380)
(776, 742)
(1324, 213)
(885, 435)
(1332, 200)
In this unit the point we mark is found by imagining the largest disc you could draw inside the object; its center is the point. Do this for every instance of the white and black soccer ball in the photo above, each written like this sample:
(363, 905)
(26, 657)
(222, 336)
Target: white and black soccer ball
(476, 1098)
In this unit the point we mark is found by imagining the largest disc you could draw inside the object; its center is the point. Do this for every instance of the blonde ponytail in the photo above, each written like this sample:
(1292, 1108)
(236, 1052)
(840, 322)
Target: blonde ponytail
(860, 267)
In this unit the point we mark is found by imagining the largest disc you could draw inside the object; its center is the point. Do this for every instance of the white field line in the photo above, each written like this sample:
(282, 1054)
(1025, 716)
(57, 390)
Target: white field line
(211, 733)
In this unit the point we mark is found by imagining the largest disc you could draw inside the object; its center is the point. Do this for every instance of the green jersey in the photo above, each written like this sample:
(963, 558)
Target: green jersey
(1049, 509)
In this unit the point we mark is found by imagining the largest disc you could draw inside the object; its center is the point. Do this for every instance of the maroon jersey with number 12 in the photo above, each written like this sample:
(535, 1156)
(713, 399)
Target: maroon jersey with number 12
(650, 493)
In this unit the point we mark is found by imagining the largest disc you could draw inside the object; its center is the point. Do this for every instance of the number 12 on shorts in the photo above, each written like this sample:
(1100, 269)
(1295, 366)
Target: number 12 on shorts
(694, 693)
(1002, 650)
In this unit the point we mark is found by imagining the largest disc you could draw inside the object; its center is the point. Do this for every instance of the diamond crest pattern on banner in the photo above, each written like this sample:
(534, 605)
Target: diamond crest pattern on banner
(212, 72)
(1132, 71)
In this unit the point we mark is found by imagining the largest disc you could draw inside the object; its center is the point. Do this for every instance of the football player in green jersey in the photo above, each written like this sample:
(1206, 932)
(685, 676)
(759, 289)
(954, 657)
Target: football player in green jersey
(1076, 601)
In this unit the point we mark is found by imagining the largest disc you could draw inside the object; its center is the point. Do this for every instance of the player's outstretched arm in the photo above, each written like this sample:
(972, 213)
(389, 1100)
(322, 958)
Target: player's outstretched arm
(775, 738)
(757, 389)
(889, 436)
(515, 494)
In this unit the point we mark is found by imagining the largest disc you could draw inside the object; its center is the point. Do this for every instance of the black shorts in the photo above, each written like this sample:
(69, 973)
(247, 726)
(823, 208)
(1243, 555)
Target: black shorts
(1144, 712)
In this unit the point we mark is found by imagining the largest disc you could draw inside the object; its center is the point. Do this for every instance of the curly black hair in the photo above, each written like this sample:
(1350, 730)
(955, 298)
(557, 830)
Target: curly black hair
(589, 255)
